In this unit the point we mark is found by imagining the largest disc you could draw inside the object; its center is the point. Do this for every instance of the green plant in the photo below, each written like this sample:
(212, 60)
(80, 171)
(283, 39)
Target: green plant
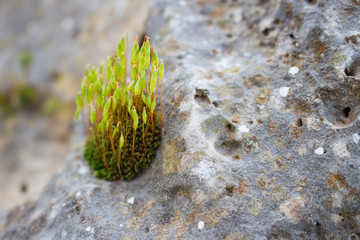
(25, 58)
(117, 102)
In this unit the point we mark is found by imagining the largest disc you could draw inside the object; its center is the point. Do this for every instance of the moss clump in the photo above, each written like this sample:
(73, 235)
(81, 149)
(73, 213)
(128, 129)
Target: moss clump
(122, 126)
(25, 59)
(143, 156)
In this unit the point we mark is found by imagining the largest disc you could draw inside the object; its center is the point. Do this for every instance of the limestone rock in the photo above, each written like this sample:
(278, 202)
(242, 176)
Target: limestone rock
(238, 156)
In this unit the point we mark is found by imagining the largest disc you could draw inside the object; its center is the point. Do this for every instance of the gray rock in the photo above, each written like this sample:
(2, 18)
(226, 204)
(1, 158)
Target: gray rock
(261, 133)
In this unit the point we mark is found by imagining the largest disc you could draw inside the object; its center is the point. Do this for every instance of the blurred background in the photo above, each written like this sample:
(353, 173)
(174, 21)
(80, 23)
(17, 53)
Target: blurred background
(45, 46)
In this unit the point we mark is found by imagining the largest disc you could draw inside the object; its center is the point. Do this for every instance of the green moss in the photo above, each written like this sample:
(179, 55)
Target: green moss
(51, 106)
(124, 127)
(25, 58)
(130, 166)
(5, 105)
(27, 95)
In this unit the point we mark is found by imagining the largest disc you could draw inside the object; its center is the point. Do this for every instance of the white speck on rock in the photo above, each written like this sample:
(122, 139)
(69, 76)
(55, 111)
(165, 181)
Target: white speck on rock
(293, 70)
(83, 170)
(204, 170)
(319, 151)
(201, 225)
(261, 107)
(121, 225)
(356, 138)
(284, 91)
(340, 149)
(131, 200)
(78, 195)
(88, 229)
(243, 128)
(182, 3)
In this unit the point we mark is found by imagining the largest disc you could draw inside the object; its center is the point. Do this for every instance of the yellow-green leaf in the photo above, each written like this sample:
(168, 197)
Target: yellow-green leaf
(122, 141)
(153, 104)
(144, 115)
(92, 116)
(134, 72)
(153, 82)
(161, 71)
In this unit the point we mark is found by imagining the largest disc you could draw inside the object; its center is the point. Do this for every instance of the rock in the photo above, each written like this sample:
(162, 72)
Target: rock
(210, 180)
(44, 48)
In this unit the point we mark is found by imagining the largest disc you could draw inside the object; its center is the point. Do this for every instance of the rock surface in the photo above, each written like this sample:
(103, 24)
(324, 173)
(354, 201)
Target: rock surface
(261, 133)
(44, 47)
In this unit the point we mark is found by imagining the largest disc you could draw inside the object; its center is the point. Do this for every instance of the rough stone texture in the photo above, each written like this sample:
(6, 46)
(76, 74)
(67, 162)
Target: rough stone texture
(261, 133)
(60, 37)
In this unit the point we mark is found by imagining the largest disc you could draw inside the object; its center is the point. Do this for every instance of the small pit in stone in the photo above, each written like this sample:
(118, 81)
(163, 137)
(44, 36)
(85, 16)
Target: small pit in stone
(346, 112)
(353, 237)
(78, 209)
(299, 122)
(229, 189)
(237, 157)
(311, 2)
(216, 103)
(230, 128)
(266, 31)
(23, 188)
(202, 96)
(353, 69)
(228, 146)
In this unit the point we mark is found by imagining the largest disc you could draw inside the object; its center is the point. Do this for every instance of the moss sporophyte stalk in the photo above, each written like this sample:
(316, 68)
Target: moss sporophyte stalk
(118, 105)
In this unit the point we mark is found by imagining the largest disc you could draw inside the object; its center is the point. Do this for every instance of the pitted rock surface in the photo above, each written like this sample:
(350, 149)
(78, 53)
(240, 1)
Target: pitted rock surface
(261, 133)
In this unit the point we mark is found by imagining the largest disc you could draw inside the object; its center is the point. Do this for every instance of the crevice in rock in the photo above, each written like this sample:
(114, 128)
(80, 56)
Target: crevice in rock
(202, 96)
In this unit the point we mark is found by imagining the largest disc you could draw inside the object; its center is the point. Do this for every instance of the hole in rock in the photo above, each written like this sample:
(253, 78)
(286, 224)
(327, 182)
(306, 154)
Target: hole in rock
(353, 69)
(237, 157)
(300, 122)
(346, 112)
(266, 31)
(202, 96)
(311, 2)
(229, 127)
(353, 237)
(23, 187)
(227, 146)
(78, 209)
(229, 190)
(216, 103)
(291, 36)
(348, 72)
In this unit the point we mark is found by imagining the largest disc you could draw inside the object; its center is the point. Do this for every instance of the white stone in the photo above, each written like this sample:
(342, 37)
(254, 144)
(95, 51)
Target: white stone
(293, 70)
(356, 138)
(131, 200)
(204, 170)
(182, 3)
(88, 229)
(340, 149)
(83, 170)
(78, 195)
(284, 91)
(201, 225)
(243, 128)
(319, 151)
